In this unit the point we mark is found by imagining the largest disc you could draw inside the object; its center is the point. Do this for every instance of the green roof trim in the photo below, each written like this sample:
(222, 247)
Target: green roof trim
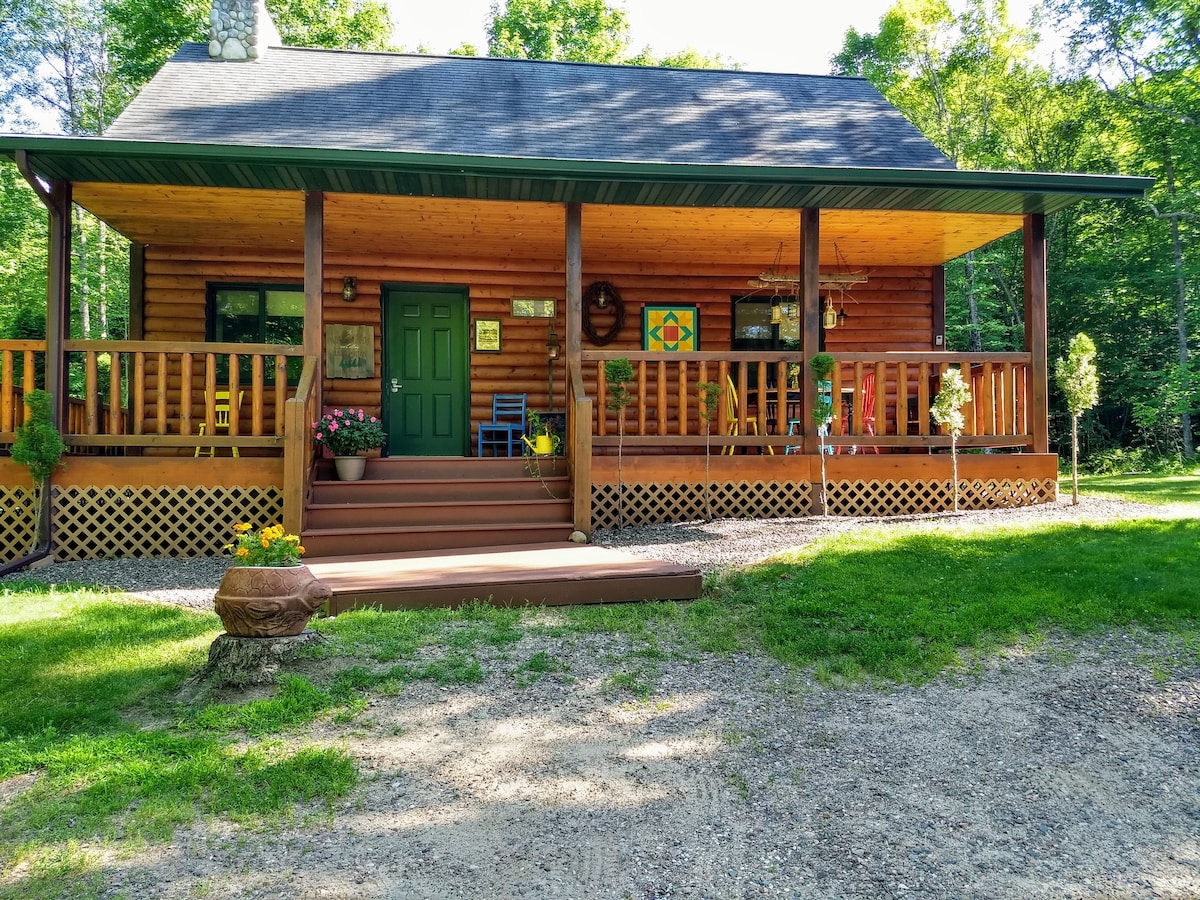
(558, 180)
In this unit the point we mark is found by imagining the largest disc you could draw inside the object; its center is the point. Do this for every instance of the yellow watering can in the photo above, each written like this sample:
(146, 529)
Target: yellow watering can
(541, 444)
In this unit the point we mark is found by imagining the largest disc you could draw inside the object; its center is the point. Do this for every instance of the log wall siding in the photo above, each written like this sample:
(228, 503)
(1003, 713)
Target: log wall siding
(892, 311)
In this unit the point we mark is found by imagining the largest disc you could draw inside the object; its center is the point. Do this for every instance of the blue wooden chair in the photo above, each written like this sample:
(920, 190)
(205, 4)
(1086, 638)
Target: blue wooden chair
(503, 434)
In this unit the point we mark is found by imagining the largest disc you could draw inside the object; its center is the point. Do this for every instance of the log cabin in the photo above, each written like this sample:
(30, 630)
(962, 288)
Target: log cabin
(415, 235)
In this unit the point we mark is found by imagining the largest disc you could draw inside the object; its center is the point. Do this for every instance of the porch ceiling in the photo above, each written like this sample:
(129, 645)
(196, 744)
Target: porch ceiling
(375, 224)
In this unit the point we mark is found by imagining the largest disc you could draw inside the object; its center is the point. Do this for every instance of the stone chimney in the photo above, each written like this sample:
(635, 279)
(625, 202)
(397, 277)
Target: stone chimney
(240, 29)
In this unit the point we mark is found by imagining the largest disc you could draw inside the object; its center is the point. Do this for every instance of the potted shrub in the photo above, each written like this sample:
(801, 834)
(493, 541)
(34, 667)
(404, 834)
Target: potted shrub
(266, 591)
(348, 434)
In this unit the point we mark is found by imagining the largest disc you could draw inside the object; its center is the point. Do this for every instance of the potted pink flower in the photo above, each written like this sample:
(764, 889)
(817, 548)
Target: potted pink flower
(348, 434)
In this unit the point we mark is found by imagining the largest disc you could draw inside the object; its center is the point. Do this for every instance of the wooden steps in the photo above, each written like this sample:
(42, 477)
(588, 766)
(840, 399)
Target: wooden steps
(552, 574)
(418, 504)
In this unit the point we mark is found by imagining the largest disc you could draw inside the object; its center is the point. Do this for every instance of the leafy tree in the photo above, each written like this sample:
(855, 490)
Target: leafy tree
(1080, 383)
(575, 31)
(1146, 56)
(947, 412)
(710, 400)
(820, 368)
(618, 375)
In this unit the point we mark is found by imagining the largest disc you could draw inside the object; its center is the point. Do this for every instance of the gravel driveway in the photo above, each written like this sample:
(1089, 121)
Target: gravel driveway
(1067, 769)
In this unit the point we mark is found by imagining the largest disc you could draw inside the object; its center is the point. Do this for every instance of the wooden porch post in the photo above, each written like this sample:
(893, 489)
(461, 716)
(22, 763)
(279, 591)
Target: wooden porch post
(137, 291)
(1035, 330)
(57, 200)
(579, 448)
(810, 303)
(938, 287)
(314, 275)
(296, 445)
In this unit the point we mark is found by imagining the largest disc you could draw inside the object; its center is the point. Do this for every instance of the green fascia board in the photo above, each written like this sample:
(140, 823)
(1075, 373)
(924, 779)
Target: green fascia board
(556, 180)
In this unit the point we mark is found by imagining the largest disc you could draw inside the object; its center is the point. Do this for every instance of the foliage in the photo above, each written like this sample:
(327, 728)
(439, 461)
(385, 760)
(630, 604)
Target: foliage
(820, 368)
(1080, 383)
(268, 547)
(347, 432)
(618, 375)
(951, 398)
(947, 411)
(548, 427)
(39, 447)
(575, 31)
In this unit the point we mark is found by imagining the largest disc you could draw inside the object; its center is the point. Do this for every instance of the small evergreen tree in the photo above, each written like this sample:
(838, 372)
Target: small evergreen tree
(39, 448)
(947, 411)
(710, 400)
(820, 367)
(1079, 381)
(618, 374)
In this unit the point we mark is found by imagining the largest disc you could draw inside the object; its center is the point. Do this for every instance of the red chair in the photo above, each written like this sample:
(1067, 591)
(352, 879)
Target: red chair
(866, 412)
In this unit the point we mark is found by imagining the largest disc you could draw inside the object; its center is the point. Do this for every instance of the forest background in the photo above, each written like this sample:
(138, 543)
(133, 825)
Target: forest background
(1125, 99)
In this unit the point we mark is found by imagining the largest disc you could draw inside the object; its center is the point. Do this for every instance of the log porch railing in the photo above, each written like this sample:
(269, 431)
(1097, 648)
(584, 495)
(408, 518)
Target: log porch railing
(665, 412)
(156, 393)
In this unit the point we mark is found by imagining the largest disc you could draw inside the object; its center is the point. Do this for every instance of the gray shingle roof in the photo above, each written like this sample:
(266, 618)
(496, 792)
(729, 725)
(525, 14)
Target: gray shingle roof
(524, 109)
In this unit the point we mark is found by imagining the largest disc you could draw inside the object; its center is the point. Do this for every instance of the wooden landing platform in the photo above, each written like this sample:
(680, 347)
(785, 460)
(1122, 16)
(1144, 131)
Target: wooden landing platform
(555, 574)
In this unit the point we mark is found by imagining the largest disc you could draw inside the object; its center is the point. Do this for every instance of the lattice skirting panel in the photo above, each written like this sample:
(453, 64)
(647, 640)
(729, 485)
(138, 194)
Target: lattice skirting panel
(16, 522)
(897, 498)
(98, 522)
(650, 504)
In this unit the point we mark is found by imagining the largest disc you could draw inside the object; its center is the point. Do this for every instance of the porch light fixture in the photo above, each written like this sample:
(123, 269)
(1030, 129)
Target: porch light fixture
(601, 298)
(349, 289)
(829, 318)
(553, 347)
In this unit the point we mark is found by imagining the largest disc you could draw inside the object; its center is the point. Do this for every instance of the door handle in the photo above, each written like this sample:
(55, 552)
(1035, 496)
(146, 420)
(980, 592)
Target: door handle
(396, 385)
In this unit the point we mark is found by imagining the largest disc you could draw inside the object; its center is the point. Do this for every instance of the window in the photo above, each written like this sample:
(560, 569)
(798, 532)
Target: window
(256, 314)
(753, 329)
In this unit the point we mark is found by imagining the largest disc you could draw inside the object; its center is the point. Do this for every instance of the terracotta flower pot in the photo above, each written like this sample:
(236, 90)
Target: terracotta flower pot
(269, 601)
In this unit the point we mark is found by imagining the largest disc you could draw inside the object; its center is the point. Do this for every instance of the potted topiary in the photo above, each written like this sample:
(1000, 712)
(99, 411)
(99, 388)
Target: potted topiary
(266, 591)
(348, 434)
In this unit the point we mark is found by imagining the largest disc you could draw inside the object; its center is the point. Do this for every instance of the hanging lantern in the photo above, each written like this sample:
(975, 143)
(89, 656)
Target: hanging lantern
(842, 316)
(830, 317)
(776, 310)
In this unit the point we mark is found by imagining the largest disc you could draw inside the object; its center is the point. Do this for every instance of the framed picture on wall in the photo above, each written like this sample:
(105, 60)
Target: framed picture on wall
(671, 329)
(487, 335)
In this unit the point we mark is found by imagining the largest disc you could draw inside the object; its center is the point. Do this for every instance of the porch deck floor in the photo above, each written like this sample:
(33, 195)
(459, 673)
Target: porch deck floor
(553, 574)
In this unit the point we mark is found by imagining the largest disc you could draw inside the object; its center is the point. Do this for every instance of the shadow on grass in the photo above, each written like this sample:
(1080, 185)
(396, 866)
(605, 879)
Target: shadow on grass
(73, 664)
(903, 604)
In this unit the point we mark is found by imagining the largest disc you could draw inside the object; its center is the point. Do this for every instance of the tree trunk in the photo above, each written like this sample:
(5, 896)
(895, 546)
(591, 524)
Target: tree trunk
(1074, 460)
(81, 260)
(1181, 330)
(975, 338)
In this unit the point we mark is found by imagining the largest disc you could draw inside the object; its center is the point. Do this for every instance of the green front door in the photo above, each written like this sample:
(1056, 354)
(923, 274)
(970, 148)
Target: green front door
(425, 360)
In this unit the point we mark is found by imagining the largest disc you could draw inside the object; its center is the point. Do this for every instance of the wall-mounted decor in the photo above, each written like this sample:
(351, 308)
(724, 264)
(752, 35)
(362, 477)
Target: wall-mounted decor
(670, 329)
(487, 335)
(532, 308)
(349, 351)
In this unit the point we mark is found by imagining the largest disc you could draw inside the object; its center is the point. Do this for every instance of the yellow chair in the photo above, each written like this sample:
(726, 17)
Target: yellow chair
(221, 414)
(731, 413)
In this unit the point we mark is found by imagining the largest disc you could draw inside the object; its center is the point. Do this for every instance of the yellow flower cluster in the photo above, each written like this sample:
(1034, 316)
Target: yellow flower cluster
(268, 547)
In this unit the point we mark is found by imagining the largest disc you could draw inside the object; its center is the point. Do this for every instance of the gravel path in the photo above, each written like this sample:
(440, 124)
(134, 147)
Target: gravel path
(1065, 769)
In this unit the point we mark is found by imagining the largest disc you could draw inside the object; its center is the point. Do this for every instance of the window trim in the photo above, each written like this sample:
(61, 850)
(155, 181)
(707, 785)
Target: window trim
(212, 288)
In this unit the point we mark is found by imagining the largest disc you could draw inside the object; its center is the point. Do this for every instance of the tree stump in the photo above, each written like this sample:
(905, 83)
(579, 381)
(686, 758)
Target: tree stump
(245, 661)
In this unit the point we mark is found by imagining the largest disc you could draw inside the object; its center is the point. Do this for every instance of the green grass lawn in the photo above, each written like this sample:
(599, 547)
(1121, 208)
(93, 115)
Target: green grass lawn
(1144, 487)
(91, 680)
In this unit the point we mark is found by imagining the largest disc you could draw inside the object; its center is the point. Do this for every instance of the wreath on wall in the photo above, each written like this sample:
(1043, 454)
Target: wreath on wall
(602, 295)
